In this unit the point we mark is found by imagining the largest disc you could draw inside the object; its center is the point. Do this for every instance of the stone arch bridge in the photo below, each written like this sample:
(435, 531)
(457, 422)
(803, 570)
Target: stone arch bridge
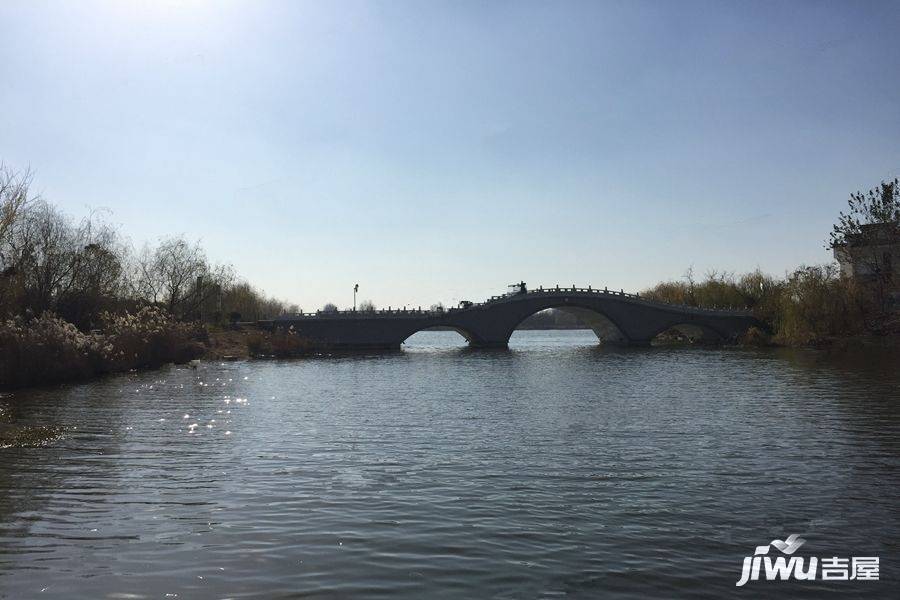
(616, 317)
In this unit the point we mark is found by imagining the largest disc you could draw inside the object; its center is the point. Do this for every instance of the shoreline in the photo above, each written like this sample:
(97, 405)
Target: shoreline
(233, 345)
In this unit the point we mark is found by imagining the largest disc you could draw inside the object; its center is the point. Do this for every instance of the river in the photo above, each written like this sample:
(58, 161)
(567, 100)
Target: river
(559, 468)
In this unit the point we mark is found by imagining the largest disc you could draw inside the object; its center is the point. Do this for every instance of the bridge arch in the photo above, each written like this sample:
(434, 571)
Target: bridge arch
(594, 318)
(470, 337)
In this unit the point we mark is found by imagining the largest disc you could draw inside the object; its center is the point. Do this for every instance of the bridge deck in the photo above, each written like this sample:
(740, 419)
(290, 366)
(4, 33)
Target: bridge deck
(419, 312)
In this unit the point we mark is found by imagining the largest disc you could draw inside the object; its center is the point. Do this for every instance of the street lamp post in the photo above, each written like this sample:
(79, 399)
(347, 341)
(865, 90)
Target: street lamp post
(355, 289)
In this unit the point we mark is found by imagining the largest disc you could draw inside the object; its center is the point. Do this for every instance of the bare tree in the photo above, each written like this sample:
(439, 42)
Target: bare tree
(330, 307)
(178, 275)
(79, 269)
(866, 237)
(44, 249)
(252, 304)
(71, 268)
(14, 197)
(367, 306)
(97, 281)
(878, 205)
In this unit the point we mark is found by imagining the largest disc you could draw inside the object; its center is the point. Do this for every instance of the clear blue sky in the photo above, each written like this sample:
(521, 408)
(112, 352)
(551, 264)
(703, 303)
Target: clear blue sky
(439, 151)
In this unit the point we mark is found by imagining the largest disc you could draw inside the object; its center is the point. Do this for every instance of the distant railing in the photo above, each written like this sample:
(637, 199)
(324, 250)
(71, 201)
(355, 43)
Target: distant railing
(419, 312)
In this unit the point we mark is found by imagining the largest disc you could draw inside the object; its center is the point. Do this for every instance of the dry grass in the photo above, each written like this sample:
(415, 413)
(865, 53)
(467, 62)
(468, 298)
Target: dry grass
(811, 306)
(227, 344)
(277, 344)
(48, 349)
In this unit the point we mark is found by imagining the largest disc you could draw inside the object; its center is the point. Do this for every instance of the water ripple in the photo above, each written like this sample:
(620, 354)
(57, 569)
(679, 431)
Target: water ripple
(557, 469)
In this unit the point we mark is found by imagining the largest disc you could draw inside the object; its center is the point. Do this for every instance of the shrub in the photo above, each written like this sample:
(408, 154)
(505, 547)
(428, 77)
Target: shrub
(149, 338)
(818, 304)
(49, 349)
(809, 306)
(45, 350)
(754, 336)
(718, 290)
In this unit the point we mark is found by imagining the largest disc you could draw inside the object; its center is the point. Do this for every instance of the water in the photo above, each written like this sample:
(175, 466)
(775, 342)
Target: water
(556, 469)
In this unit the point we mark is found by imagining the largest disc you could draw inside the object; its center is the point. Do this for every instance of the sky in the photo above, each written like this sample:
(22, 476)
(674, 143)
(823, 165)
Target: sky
(439, 151)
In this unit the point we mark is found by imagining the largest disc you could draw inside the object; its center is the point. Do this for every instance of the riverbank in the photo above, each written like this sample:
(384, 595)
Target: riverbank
(52, 351)
(251, 342)
(228, 344)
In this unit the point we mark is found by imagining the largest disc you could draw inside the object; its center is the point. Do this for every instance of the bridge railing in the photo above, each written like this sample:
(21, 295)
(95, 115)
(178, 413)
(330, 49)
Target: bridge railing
(419, 312)
(380, 312)
(607, 292)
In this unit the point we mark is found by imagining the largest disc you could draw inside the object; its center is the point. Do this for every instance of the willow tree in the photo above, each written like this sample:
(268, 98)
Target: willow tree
(177, 275)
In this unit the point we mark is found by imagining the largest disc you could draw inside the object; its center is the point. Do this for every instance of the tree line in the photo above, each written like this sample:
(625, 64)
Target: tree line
(79, 269)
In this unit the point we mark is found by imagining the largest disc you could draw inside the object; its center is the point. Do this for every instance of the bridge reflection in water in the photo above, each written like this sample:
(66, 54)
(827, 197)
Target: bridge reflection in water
(616, 317)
